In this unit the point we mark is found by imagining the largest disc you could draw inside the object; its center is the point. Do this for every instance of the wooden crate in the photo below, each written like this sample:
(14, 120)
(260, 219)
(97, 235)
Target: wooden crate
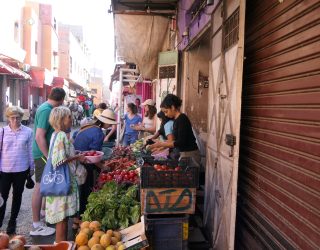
(168, 200)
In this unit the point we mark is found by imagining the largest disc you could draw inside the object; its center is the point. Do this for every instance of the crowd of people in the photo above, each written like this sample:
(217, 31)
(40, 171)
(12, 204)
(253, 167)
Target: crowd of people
(25, 152)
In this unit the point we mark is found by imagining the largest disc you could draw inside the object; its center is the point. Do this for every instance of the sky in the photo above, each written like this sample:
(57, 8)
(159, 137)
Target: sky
(98, 27)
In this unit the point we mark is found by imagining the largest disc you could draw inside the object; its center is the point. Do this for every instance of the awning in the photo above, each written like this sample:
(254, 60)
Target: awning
(149, 33)
(40, 76)
(12, 71)
(58, 81)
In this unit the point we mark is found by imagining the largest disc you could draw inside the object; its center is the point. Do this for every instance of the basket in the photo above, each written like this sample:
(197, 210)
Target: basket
(167, 232)
(187, 177)
(94, 159)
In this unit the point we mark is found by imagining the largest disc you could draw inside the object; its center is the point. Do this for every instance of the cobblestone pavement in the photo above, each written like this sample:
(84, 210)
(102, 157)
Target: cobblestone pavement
(24, 220)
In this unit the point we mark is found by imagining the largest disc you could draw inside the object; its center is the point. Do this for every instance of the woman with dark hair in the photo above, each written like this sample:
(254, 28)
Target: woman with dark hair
(98, 111)
(166, 128)
(131, 119)
(184, 139)
(149, 122)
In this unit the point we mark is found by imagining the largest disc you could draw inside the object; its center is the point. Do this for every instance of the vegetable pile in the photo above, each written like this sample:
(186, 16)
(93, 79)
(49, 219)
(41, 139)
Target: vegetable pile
(120, 151)
(114, 206)
(119, 163)
(120, 176)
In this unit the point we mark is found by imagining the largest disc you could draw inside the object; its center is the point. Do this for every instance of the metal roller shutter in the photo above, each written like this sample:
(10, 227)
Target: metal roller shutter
(279, 166)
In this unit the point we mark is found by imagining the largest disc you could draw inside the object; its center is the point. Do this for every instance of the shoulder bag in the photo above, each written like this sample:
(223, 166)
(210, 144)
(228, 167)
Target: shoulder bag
(55, 182)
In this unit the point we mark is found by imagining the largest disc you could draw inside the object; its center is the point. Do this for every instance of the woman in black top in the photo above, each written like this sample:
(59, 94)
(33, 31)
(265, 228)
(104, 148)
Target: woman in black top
(184, 139)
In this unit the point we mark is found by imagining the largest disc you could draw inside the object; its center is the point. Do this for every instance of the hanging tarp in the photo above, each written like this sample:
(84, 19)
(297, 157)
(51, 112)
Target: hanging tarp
(139, 39)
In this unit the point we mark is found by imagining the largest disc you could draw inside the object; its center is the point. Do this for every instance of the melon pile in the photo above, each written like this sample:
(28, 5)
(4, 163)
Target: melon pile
(91, 237)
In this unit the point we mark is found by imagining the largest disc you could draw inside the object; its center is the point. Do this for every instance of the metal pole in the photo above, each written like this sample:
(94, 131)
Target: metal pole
(120, 108)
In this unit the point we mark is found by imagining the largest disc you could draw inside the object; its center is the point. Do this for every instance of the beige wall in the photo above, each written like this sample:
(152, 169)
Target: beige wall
(195, 102)
(98, 85)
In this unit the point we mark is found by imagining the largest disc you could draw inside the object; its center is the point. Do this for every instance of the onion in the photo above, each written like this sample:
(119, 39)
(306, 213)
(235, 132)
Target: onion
(4, 240)
(16, 244)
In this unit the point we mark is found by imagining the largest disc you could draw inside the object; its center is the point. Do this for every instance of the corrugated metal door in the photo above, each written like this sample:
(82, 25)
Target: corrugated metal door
(279, 169)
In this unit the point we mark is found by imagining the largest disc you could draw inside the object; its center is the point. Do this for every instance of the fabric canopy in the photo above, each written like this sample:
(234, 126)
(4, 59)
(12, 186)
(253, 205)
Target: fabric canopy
(40, 76)
(139, 39)
(12, 71)
(58, 82)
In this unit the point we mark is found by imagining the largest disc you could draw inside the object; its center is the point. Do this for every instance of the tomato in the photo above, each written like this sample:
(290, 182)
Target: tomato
(178, 168)
(164, 167)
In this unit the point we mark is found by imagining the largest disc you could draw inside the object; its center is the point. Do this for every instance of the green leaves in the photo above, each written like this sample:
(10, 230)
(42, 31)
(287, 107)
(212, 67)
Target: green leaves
(114, 206)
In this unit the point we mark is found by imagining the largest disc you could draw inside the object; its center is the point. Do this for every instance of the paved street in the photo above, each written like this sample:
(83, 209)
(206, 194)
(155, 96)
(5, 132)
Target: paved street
(24, 221)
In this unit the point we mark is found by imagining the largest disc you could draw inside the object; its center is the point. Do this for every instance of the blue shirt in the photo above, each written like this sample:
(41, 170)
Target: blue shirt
(134, 121)
(89, 139)
(168, 127)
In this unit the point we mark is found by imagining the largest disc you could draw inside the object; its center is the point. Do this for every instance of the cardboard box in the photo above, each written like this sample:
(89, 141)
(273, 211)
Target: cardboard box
(134, 237)
(168, 200)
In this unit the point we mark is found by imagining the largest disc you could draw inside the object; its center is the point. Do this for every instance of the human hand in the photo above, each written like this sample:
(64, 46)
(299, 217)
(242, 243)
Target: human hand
(82, 158)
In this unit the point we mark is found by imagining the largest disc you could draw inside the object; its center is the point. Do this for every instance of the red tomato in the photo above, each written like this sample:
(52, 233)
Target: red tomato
(178, 168)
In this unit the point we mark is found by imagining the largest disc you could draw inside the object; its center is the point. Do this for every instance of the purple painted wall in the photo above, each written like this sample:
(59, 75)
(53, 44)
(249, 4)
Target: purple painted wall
(184, 21)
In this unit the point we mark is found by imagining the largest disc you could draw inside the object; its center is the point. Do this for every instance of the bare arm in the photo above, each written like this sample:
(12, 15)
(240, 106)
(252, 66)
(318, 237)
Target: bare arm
(41, 141)
(114, 128)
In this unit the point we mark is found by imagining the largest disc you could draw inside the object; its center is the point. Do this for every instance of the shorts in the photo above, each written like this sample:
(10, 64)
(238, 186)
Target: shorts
(38, 170)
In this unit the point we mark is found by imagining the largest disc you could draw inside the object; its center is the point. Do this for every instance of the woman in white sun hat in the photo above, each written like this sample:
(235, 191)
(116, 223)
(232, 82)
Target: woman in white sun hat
(149, 122)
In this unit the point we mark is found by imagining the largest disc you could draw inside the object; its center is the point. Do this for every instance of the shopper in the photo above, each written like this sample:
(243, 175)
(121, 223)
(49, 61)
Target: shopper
(98, 111)
(16, 163)
(59, 208)
(149, 122)
(184, 139)
(131, 119)
(90, 137)
(42, 136)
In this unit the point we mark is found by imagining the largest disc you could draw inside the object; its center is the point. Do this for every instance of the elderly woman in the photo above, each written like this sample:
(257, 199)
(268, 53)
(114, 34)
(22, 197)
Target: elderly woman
(59, 208)
(91, 137)
(16, 162)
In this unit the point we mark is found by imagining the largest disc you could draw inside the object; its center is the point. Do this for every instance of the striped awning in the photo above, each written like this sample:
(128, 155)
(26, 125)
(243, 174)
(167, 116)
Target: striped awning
(6, 69)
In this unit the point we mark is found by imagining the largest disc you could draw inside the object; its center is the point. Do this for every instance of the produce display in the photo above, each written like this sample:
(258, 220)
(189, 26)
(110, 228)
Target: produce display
(119, 163)
(160, 167)
(16, 243)
(137, 146)
(114, 205)
(91, 237)
(120, 176)
(121, 151)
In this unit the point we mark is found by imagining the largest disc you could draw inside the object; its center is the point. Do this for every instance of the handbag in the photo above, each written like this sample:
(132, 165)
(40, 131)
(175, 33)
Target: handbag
(81, 174)
(55, 182)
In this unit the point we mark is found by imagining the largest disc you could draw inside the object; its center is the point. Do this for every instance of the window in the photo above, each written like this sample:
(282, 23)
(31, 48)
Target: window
(36, 47)
(16, 31)
(94, 91)
(70, 66)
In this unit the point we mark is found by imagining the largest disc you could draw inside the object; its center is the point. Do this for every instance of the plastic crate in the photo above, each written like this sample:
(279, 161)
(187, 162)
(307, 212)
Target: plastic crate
(167, 232)
(187, 177)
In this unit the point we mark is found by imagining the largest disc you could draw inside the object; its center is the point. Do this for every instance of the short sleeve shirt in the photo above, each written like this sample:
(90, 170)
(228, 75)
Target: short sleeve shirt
(168, 128)
(41, 120)
(134, 121)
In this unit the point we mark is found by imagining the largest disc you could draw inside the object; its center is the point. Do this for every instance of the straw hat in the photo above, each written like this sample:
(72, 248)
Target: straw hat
(148, 102)
(107, 116)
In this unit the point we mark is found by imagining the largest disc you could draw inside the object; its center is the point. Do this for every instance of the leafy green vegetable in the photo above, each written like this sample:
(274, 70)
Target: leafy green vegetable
(114, 206)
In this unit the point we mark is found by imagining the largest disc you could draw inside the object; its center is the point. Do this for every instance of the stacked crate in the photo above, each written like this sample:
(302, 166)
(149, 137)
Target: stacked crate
(167, 198)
